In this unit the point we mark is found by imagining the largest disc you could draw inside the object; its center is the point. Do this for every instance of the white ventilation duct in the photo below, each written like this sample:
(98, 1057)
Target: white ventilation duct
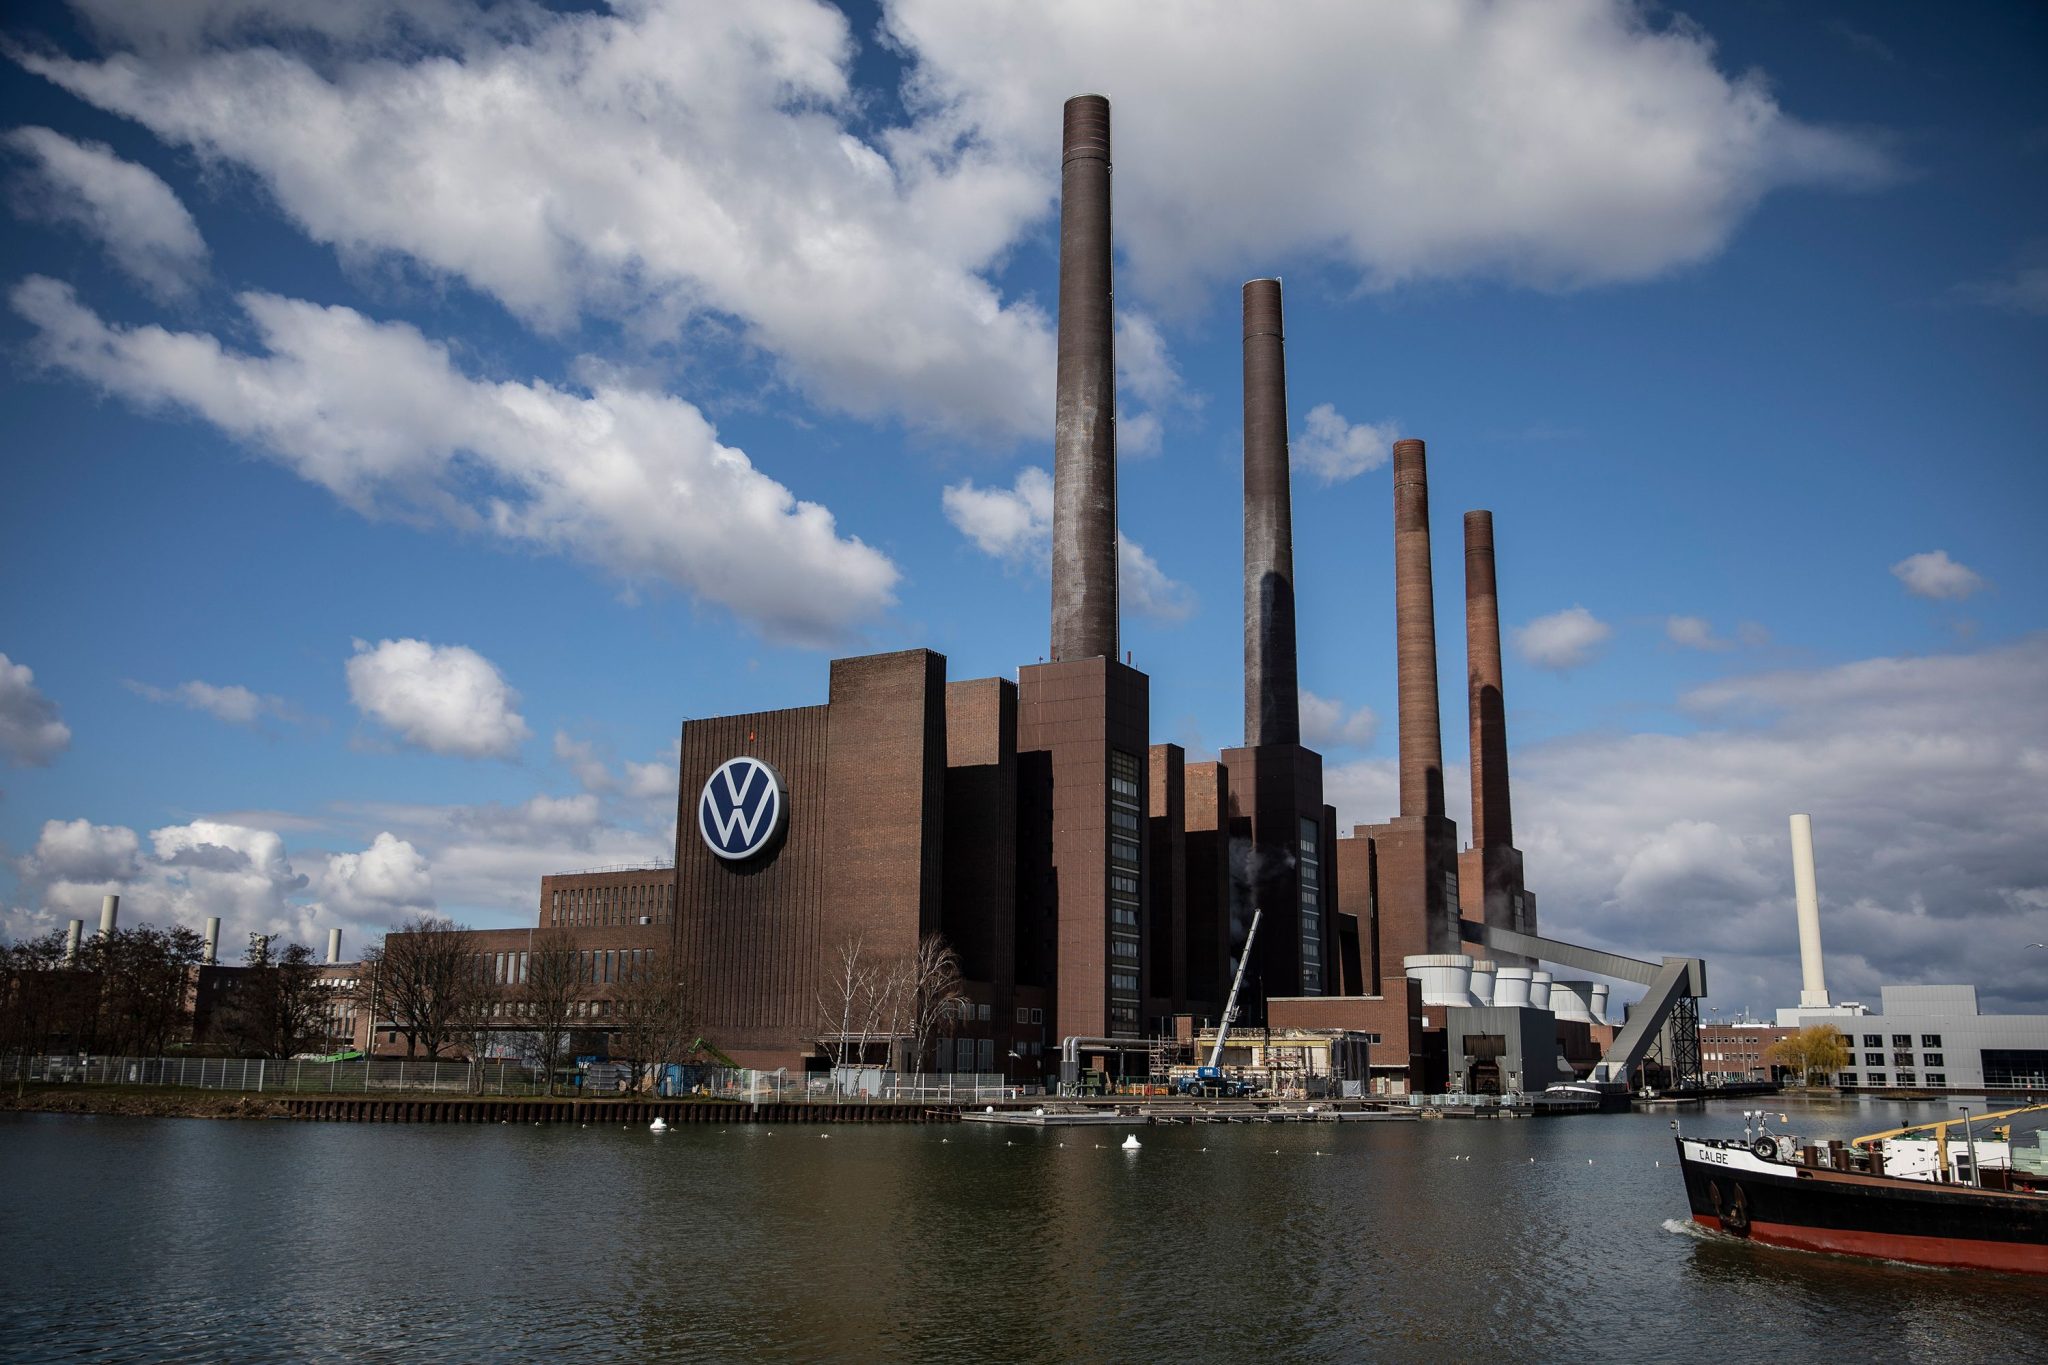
(1539, 990)
(1813, 986)
(1446, 977)
(1572, 1000)
(1511, 987)
(1599, 1002)
(1482, 983)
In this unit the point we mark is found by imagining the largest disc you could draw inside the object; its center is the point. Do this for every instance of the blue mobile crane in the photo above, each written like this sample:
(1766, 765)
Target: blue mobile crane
(1209, 1079)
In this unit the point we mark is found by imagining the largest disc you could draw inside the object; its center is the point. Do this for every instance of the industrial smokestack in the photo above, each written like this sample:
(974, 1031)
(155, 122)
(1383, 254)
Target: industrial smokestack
(110, 915)
(1813, 986)
(1492, 813)
(1422, 745)
(333, 946)
(212, 940)
(1272, 705)
(71, 937)
(1084, 587)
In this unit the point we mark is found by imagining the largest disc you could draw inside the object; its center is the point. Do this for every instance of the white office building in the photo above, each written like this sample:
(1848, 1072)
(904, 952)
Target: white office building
(1933, 1038)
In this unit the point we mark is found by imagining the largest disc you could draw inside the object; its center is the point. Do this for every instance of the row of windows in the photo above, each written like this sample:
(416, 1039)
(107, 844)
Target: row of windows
(1902, 1040)
(1903, 1059)
(646, 903)
(1030, 1016)
(1906, 1078)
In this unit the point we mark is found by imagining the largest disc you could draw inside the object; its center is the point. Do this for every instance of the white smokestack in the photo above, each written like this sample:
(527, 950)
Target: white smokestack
(1813, 986)
(212, 940)
(333, 946)
(71, 937)
(110, 914)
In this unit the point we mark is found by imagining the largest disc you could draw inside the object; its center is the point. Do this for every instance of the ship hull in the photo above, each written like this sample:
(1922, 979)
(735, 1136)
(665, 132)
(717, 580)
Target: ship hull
(1731, 1190)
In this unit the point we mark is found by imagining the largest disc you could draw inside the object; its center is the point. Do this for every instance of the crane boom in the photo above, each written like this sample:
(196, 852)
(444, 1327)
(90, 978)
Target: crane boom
(1230, 1006)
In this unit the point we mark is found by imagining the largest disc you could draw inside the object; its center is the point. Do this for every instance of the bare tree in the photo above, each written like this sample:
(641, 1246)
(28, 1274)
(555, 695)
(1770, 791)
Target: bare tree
(841, 995)
(481, 1016)
(419, 976)
(143, 975)
(278, 1006)
(656, 1023)
(554, 978)
(937, 993)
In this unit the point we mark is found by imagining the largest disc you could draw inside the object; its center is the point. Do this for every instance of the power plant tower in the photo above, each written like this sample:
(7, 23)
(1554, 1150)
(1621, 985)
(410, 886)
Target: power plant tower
(1813, 987)
(1421, 738)
(333, 946)
(1272, 706)
(212, 940)
(1489, 873)
(72, 933)
(1084, 552)
(110, 915)
(1282, 839)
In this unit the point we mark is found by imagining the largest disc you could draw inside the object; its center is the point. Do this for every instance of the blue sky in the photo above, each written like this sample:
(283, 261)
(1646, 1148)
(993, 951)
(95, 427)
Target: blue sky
(415, 412)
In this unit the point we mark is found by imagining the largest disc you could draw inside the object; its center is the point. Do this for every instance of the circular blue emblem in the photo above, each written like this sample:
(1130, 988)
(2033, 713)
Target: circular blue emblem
(742, 809)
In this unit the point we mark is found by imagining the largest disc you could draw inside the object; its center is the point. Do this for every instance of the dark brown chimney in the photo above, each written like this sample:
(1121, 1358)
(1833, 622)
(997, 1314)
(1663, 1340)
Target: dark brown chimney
(1492, 817)
(1084, 587)
(1272, 707)
(1422, 745)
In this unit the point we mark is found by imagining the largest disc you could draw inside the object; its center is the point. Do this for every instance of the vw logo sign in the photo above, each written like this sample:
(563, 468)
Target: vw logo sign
(742, 809)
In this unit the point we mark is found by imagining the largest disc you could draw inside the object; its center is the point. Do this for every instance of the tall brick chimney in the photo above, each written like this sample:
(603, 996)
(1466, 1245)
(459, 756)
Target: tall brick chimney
(1421, 738)
(1084, 552)
(1492, 812)
(1272, 707)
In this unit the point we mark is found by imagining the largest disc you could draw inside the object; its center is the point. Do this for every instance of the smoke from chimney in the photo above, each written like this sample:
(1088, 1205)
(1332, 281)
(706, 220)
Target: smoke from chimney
(1272, 705)
(1084, 583)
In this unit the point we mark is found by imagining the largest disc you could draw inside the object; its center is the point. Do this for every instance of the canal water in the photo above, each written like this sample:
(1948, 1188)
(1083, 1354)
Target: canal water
(1555, 1240)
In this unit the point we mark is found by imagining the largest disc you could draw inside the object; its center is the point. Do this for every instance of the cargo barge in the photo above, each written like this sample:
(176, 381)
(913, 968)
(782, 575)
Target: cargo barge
(1892, 1196)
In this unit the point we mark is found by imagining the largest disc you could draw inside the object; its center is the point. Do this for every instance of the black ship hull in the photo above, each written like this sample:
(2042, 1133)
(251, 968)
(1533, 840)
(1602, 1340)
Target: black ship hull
(1732, 1190)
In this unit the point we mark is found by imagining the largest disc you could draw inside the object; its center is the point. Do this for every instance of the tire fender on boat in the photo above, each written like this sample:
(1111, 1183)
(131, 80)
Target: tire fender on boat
(1765, 1147)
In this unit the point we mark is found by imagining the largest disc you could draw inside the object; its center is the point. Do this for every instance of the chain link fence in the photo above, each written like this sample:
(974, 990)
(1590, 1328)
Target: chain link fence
(383, 1075)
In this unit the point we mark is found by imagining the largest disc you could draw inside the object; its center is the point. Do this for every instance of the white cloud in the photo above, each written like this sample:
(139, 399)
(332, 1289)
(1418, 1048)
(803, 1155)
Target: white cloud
(1561, 640)
(580, 757)
(1922, 776)
(1693, 632)
(1014, 525)
(652, 781)
(2023, 289)
(80, 851)
(659, 164)
(445, 698)
(1934, 575)
(1334, 450)
(235, 704)
(1144, 367)
(1555, 145)
(1327, 723)
(630, 480)
(241, 874)
(381, 882)
(132, 213)
(30, 732)
(1144, 588)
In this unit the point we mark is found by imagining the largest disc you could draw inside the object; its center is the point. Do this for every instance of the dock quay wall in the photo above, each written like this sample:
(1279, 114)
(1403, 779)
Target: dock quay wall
(357, 1109)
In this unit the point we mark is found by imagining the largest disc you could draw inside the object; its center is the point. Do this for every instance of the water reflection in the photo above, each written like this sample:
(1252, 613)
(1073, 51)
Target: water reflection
(179, 1240)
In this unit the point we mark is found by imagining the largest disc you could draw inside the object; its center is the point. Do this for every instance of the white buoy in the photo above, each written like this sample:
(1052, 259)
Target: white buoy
(657, 1126)
(1131, 1143)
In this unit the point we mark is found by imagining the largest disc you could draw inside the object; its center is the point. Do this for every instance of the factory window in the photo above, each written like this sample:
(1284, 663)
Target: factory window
(1930, 1040)
(1124, 982)
(1847, 1078)
(1123, 1018)
(1023, 1015)
(1874, 1078)
(1124, 819)
(1123, 883)
(1909, 1078)
(1873, 1040)
(1873, 1059)
(1037, 1016)
(1311, 951)
(981, 1011)
(1123, 948)
(1902, 1040)
(1124, 915)
(1931, 1059)
(1902, 1059)
(1123, 851)
(1936, 1078)
(1123, 773)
